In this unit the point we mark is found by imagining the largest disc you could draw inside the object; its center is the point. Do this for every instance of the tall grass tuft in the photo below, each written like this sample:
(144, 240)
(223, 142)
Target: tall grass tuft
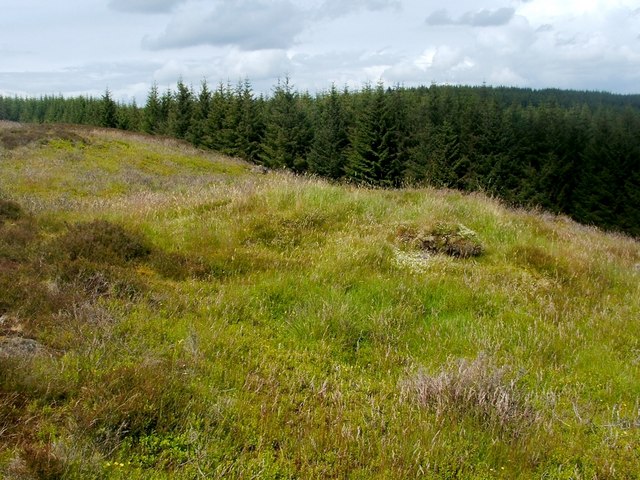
(478, 388)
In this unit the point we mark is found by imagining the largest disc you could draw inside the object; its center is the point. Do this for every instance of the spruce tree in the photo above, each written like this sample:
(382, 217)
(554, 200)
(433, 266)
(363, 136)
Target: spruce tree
(4, 114)
(396, 136)
(167, 106)
(288, 130)
(198, 127)
(367, 158)
(182, 111)
(108, 116)
(216, 118)
(443, 156)
(328, 153)
(249, 125)
(228, 134)
(152, 116)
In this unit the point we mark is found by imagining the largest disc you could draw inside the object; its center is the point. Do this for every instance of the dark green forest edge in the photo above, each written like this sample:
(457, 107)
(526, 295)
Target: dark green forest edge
(570, 152)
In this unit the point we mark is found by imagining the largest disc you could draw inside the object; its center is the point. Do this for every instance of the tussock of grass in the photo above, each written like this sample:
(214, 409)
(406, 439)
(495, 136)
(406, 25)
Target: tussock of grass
(476, 387)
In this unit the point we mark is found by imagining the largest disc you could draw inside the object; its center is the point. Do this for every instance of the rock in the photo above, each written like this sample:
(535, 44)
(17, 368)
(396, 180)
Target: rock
(19, 347)
(453, 240)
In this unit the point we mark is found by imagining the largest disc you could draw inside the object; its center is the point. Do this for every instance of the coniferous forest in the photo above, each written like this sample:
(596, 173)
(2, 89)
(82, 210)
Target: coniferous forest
(570, 152)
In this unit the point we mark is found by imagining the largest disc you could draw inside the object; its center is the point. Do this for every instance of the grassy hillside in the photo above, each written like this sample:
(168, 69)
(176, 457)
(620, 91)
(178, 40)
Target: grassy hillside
(167, 313)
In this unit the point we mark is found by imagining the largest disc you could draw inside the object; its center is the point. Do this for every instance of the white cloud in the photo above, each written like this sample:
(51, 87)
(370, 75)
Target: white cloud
(447, 57)
(256, 65)
(245, 24)
(579, 44)
(144, 6)
(426, 58)
(481, 18)
(87, 79)
(337, 8)
(546, 10)
(505, 76)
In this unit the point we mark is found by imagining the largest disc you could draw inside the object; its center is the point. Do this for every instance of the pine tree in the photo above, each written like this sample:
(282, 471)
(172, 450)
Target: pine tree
(444, 156)
(4, 111)
(129, 117)
(396, 136)
(228, 134)
(216, 119)
(167, 106)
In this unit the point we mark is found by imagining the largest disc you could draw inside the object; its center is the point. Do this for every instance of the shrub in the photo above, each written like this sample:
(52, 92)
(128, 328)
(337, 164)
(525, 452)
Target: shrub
(10, 210)
(28, 297)
(177, 266)
(99, 280)
(103, 242)
(15, 237)
(42, 462)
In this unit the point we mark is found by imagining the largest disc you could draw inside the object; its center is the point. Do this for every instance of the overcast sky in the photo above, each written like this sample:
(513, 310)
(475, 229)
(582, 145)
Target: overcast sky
(85, 46)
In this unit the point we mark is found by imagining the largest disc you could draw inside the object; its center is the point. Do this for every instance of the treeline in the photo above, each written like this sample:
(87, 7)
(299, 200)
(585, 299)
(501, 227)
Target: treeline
(569, 152)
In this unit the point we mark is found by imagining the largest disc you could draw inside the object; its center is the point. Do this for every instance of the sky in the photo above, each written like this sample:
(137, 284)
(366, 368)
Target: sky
(83, 47)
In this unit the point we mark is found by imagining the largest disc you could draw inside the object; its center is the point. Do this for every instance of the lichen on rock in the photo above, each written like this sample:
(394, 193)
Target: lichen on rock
(14, 347)
(453, 240)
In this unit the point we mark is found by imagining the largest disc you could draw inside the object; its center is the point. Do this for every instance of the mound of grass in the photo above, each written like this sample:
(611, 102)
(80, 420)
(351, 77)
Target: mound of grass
(101, 241)
(82, 168)
(16, 135)
(177, 266)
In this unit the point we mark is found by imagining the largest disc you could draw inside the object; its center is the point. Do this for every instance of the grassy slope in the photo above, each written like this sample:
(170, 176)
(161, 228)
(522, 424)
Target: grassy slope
(278, 329)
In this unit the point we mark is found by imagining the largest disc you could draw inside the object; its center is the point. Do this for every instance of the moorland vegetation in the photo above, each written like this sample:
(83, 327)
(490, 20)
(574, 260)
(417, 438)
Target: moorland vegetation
(168, 313)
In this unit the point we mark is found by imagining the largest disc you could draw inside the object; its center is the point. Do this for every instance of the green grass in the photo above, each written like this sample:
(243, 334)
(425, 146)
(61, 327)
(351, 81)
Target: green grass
(201, 321)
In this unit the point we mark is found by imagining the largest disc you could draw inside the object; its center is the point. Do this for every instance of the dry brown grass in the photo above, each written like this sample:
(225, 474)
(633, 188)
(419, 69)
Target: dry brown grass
(474, 387)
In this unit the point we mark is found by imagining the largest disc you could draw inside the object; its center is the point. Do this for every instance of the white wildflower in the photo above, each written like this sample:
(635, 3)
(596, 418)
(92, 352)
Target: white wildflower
(415, 261)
